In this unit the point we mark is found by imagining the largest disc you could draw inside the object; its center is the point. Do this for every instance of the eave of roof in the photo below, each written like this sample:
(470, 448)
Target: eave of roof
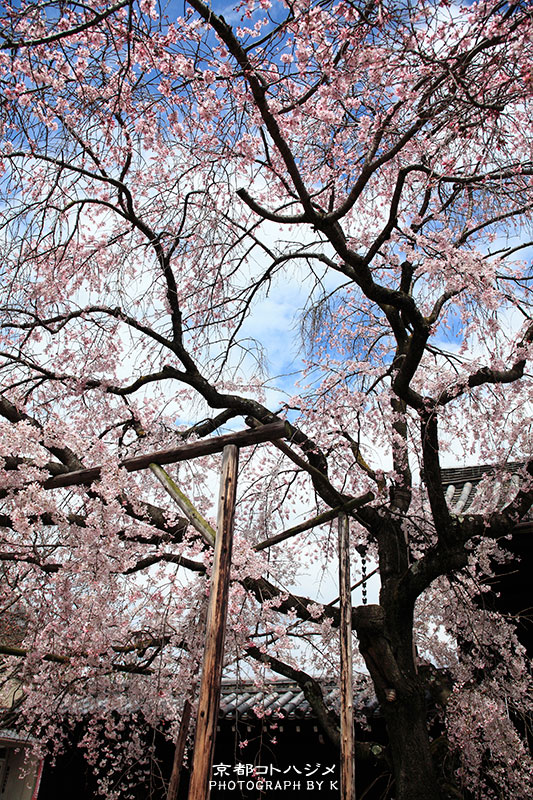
(481, 489)
(282, 699)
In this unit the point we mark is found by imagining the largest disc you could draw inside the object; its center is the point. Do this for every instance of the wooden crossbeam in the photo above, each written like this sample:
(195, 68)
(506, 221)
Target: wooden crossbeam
(184, 452)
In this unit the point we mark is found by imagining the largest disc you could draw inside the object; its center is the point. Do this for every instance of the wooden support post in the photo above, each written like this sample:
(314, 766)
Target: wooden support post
(209, 698)
(347, 731)
(174, 785)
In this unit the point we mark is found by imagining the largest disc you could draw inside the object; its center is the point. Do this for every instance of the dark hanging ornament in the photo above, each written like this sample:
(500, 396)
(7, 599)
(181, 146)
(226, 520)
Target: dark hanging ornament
(364, 579)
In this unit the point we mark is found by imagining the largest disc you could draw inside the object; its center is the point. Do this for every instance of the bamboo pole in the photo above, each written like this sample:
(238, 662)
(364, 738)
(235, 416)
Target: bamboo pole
(209, 697)
(203, 447)
(180, 498)
(347, 731)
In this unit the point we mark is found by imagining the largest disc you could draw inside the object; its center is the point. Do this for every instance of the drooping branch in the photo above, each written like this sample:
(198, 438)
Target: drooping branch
(327, 718)
(55, 658)
(94, 20)
(488, 375)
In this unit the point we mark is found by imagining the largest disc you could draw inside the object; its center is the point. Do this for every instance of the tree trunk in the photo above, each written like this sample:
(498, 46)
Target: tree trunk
(414, 771)
(388, 653)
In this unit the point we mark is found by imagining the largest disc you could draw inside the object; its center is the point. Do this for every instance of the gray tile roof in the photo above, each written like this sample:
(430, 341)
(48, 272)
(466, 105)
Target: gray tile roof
(481, 488)
(283, 698)
(10, 737)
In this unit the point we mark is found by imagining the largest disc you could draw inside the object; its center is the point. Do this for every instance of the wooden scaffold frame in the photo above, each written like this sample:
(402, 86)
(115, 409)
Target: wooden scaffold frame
(222, 541)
